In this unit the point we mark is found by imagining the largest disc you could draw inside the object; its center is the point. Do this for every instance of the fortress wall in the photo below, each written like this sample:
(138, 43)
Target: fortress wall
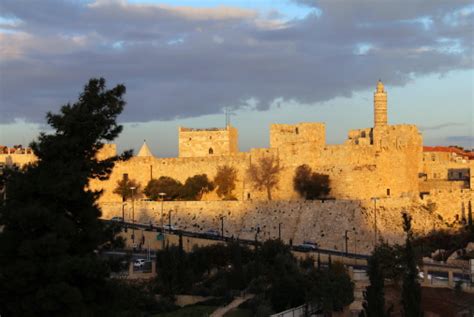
(282, 134)
(439, 184)
(450, 203)
(321, 222)
(17, 159)
(142, 169)
(355, 171)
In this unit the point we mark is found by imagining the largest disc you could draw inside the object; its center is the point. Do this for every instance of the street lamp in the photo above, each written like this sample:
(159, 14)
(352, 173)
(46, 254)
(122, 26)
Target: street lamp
(346, 238)
(162, 197)
(375, 219)
(222, 226)
(169, 220)
(133, 213)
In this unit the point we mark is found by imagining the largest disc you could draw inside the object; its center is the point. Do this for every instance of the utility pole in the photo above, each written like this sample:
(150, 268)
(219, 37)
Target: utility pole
(162, 196)
(222, 227)
(346, 238)
(375, 220)
(133, 213)
(169, 220)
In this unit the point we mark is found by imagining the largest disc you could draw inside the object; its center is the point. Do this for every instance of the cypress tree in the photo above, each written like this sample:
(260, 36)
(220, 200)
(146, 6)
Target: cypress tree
(469, 216)
(411, 289)
(374, 300)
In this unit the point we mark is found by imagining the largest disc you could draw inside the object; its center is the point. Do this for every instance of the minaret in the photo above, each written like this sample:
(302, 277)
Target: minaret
(380, 106)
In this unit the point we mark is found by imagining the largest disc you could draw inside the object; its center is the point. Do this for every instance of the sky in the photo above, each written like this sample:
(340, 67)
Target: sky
(266, 61)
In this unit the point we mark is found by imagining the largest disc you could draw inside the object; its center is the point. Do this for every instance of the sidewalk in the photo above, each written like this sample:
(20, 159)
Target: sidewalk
(219, 312)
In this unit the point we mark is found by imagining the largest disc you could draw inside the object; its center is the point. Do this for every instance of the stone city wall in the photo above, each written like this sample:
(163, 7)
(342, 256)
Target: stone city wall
(323, 222)
(451, 205)
(389, 169)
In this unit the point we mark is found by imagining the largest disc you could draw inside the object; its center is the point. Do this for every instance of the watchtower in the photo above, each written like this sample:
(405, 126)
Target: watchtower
(208, 142)
(380, 106)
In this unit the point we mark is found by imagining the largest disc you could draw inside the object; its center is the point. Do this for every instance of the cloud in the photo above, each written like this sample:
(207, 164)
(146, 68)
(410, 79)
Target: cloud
(187, 62)
(461, 140)
(440, 126)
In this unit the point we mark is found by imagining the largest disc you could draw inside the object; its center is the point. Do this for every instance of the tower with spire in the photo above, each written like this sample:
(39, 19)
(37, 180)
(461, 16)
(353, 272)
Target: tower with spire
(144, 151)
(380, 106)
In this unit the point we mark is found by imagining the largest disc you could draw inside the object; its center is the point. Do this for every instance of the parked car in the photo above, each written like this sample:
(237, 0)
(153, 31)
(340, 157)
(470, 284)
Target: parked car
(139, 263)
(117, 219)
(170, 228)
(212, 233)
(307, 246)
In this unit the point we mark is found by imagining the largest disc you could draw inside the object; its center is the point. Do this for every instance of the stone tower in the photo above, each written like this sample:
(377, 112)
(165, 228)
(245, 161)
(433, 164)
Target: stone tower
(380, 106)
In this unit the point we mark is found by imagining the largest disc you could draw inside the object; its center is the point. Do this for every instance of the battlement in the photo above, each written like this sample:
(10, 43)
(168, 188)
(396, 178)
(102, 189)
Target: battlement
(207, 142)
(282, 135)
(183, 129)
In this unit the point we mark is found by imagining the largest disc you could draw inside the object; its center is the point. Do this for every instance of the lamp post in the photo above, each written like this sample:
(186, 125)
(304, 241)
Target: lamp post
(162, 196)
(222, 226)
(133, 213)
(346, 238)
(375, 219)
(169, 220)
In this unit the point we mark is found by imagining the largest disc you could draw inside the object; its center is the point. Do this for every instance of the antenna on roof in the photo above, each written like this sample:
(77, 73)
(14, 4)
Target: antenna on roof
(227, 117)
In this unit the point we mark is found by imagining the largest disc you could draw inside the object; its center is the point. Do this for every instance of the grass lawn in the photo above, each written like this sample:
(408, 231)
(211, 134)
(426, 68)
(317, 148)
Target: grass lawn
(192, 311)
(239, 312)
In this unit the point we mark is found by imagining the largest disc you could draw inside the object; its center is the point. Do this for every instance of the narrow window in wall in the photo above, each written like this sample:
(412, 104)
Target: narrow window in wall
(297, 131)
(211, 151)
(125, 176)
(248, 196)
(460, 175)
(388, 191)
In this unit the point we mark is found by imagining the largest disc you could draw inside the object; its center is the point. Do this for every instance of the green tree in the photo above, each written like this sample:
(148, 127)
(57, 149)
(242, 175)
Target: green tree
(469, 216)
(124, 189)
(265, 174)
(171, 187)
(310, 185)
(225, 181)
(411, 290)
(195, 187)
(48, 263)
(374, 299)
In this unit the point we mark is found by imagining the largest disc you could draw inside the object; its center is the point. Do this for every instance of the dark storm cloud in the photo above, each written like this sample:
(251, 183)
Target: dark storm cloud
(184, 62)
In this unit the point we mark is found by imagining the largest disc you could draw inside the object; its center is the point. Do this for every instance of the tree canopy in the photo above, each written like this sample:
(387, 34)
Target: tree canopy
(196, 186)
(310, 185)
(124, 189)
(165, 184)
(193, 189)
(225, 181)
(265, 174)
(48, 263)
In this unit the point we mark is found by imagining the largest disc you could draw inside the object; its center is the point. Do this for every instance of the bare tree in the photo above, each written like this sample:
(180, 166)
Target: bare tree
(225, 181)
(265, 174)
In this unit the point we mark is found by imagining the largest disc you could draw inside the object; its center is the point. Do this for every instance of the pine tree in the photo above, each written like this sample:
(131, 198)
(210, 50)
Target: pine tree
(51, 230)
(411, 290)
